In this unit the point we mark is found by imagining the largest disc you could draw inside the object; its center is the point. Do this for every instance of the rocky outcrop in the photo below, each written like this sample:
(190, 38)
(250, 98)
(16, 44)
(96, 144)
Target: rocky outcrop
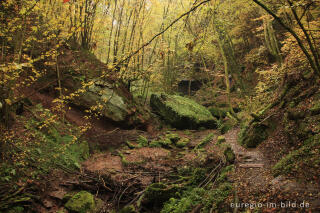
(81, 202)
(181, 112)
(105, 98)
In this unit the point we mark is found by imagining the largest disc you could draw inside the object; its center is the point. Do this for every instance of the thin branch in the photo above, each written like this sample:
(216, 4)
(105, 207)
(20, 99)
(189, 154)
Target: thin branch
(161, 32)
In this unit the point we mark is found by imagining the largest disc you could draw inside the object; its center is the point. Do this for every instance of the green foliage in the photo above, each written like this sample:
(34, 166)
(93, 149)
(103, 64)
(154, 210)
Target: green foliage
(205, 141)
(158, 193)
(229, 154)
(183, 142)
(188, 200)
(208, 198)
(128, 209)
(221, 139)
(307, 156)
(82, 202)
(252, 135)
(218, 112)
(142, 141)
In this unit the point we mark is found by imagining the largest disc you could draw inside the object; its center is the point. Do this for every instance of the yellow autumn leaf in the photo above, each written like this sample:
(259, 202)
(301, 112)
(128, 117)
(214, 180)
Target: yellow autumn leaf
(8, 101)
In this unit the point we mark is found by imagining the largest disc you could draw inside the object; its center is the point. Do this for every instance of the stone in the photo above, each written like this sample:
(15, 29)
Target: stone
(253, 135)
(181, 112)
(112, 105)
(81, 202)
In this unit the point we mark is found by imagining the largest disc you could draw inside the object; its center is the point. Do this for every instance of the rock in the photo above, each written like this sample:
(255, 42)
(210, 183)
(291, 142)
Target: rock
(174, 138)
(181, 112)
(229, 155)
(156, 194)
(81, 202)
(253, 135)
(112, 105)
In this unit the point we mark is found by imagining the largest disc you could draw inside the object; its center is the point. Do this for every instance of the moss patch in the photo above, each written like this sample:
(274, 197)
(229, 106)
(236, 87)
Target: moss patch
(251, 136)
(81, 202)
(205, 141)
(181, 112)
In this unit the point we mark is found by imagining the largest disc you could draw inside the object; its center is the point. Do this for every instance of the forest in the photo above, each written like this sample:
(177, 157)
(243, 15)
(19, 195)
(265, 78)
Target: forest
(169, 106)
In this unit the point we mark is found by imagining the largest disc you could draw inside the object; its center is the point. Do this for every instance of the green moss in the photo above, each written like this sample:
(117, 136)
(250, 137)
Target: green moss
(130, 145)
(229, 155)
(158, 193)
(307, 156)
(189, 200)
(128, 209)
(182, 112)
(218, 112)
(198, 175)
(205, 141)
(216, 199)
(174, 138)
(142, 141)
(183, 142)
(188, 107)
(221, 139)
(251, 136)
(208, 199)
(81, 202)
(16, 209)
(162, 142)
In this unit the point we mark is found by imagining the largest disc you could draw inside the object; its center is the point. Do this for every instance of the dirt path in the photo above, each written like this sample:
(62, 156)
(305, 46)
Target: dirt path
(255, 183)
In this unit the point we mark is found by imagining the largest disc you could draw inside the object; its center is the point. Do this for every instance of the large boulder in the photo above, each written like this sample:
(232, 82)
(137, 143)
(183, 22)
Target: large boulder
(106, 99)
(81, 202)
(181, 112)
(251, 136)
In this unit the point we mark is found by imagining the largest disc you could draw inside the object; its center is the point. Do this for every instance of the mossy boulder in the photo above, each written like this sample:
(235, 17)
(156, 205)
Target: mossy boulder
(181, 112)
(174, 138)
(251, 136)
(128, 209)
(113, 105)
(162, 142)
(229, 155)
(157, 194)
(81, 202)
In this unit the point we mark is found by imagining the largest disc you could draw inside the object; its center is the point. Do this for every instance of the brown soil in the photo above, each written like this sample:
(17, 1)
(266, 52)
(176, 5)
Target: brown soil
(255, 183)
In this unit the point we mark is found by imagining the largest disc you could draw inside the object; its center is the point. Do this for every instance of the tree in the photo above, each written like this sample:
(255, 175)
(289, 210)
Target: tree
(309, 50)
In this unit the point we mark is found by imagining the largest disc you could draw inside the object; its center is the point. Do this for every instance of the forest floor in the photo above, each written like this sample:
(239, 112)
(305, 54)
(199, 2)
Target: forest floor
(256, 185)
(132, 170)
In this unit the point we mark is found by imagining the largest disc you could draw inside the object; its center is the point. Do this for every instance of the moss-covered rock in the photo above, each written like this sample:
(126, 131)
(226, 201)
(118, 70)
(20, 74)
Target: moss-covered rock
(229, 155)
(158, 193)
(162, 142)
(251, 136)
(183, 142)
(181, 112)
(142, 141)
(221, 139)
(174, 138)
(128, 209)
(16, 209)
(205, 141)
(81, 202)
